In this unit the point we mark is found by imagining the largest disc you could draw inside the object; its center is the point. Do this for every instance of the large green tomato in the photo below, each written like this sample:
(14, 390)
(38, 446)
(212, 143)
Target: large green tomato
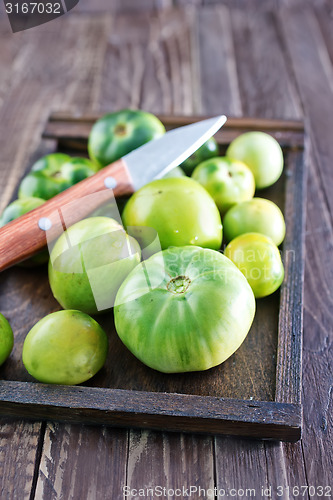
(53, 174)
(89, 262)
(261, 153)
(16, 209)
(258, 258)
(208, 150)
(116, 134)
(6, 339)
(65, 347)
(184, 309)
(227, 181)
(180, 210)
(255, 216)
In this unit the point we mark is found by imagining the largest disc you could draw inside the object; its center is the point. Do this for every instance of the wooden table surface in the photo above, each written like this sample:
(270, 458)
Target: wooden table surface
(237, 58)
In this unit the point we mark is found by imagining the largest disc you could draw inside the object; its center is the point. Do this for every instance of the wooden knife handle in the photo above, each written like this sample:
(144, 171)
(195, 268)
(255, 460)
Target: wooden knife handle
(23, 238)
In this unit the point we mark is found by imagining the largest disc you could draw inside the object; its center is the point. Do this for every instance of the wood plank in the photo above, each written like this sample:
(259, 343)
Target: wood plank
(19, 449)
(12, 57)
(82, 462)
(120, 88)
(310, 63)
(218, 77)
(289, 354)
(182, 3)
(259, 61)
(153, 61)
(240, 464)
(170, 461)
(118, 6)
(325, 20)
(318, 336)
(313, 72)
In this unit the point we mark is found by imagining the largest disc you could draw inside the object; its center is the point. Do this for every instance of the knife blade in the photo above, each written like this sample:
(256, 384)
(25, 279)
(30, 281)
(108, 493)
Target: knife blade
(26, 236)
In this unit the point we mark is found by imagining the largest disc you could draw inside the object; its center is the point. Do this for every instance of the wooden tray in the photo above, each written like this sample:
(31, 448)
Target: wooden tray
(256, 392)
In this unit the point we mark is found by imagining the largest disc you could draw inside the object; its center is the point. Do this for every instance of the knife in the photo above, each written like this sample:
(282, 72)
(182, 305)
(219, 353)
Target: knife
(26, 236)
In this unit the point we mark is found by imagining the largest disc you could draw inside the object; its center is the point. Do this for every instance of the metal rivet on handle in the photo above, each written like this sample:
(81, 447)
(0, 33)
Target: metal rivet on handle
(44, 224)
(110, 183)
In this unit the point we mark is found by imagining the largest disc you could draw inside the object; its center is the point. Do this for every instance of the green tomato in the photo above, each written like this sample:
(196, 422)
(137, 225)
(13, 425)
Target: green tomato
(16, 209)
(255, 216)
(208, 150)
(6, 339)
(65, 347)
(53, 174)
(89, 262)
(261, 153)
(184, 309)
(175, 172)
(227, 181)
(258, 258)
(179, 210)
(116, 134)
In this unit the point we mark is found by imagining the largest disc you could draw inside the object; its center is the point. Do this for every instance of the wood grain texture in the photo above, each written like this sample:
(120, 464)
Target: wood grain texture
(153, 60)
(170, 460)
(325, 19)
(17, 466)
(289, 354)
(262, 93)
(217, 75)
(317, 99)
(82, 462)
(118, 6)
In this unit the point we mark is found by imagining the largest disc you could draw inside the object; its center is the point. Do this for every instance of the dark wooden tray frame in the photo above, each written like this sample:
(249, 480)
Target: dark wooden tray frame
(279, 419)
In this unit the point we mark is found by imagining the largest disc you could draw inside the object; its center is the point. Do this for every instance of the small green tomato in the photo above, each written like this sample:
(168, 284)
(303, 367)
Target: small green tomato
(116, 134)
(261, 153)
(258, 258)
(6, 339)
(53, 174)
(255, 216)
(65, 347)
(208, 150)
(227, 181)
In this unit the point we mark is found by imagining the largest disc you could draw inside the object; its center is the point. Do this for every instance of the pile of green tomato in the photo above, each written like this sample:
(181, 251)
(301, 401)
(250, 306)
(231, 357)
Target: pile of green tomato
(180, 303)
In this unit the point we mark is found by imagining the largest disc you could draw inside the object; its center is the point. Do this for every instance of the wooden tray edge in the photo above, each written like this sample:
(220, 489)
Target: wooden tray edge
(268, 428)
(160, 411)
